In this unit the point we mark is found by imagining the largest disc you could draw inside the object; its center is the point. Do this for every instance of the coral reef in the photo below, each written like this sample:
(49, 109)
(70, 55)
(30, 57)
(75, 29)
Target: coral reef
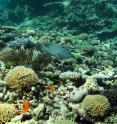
(111, 120)
(77, 94)
(13, 57)
(91, 84)
(95, 105)
(22, 41)
(58, 61)
(40, 61)
(20, 77)
(111, 94)
(63, 121)
(7, 112)
(69, 75)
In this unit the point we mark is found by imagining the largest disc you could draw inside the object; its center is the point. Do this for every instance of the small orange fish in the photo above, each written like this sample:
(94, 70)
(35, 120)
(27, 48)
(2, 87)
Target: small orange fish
(26, 107)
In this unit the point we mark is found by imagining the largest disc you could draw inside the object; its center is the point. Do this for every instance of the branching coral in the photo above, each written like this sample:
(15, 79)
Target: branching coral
(13, 57)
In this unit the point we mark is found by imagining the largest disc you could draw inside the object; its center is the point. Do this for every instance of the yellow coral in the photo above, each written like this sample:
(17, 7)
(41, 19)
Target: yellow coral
(20, 77)
(7, 112)
(91, 84)
(95, 105)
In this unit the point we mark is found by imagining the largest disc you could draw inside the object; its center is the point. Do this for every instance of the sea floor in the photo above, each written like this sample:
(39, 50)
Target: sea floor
(66, 69)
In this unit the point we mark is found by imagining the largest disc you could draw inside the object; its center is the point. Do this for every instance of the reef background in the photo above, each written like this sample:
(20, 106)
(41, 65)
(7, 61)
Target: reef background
(82, 16)
(58, 61)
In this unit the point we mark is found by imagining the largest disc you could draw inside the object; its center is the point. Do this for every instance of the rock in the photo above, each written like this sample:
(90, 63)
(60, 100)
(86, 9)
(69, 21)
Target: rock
(64, 110)
(100, 75)
(16, 118)
(1, 89)
(77, 94)
(83, 36)
(8, 28)
(30, 32)
(1, 96)
(89, 50)
(26, 116)
(39, 111)
(1, 83)
(2, 66)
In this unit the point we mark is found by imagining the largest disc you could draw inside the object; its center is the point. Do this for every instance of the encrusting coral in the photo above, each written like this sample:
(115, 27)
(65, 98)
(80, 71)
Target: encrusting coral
(7, 112)
(95, 105)
(20, 77)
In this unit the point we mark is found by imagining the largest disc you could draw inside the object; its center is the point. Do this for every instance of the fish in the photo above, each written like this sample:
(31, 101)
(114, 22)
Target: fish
(56, 50)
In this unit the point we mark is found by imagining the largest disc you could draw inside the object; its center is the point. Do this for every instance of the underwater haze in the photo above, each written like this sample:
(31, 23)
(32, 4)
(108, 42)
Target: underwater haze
(58, 61)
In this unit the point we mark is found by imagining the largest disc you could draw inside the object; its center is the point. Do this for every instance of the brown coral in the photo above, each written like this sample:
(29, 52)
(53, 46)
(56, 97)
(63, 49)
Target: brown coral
(13, 57)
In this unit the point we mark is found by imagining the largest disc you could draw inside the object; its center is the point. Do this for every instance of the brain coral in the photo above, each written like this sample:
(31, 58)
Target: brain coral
(95, 105)
(7, 112)
(20, 77)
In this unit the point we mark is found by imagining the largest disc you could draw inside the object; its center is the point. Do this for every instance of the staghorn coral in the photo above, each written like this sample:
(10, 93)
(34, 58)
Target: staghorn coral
(13, 57)
(20, 77)
(7, 112)
(95, 105)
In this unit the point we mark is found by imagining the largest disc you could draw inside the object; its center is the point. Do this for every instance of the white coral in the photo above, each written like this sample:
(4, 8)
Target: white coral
(69, 75)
